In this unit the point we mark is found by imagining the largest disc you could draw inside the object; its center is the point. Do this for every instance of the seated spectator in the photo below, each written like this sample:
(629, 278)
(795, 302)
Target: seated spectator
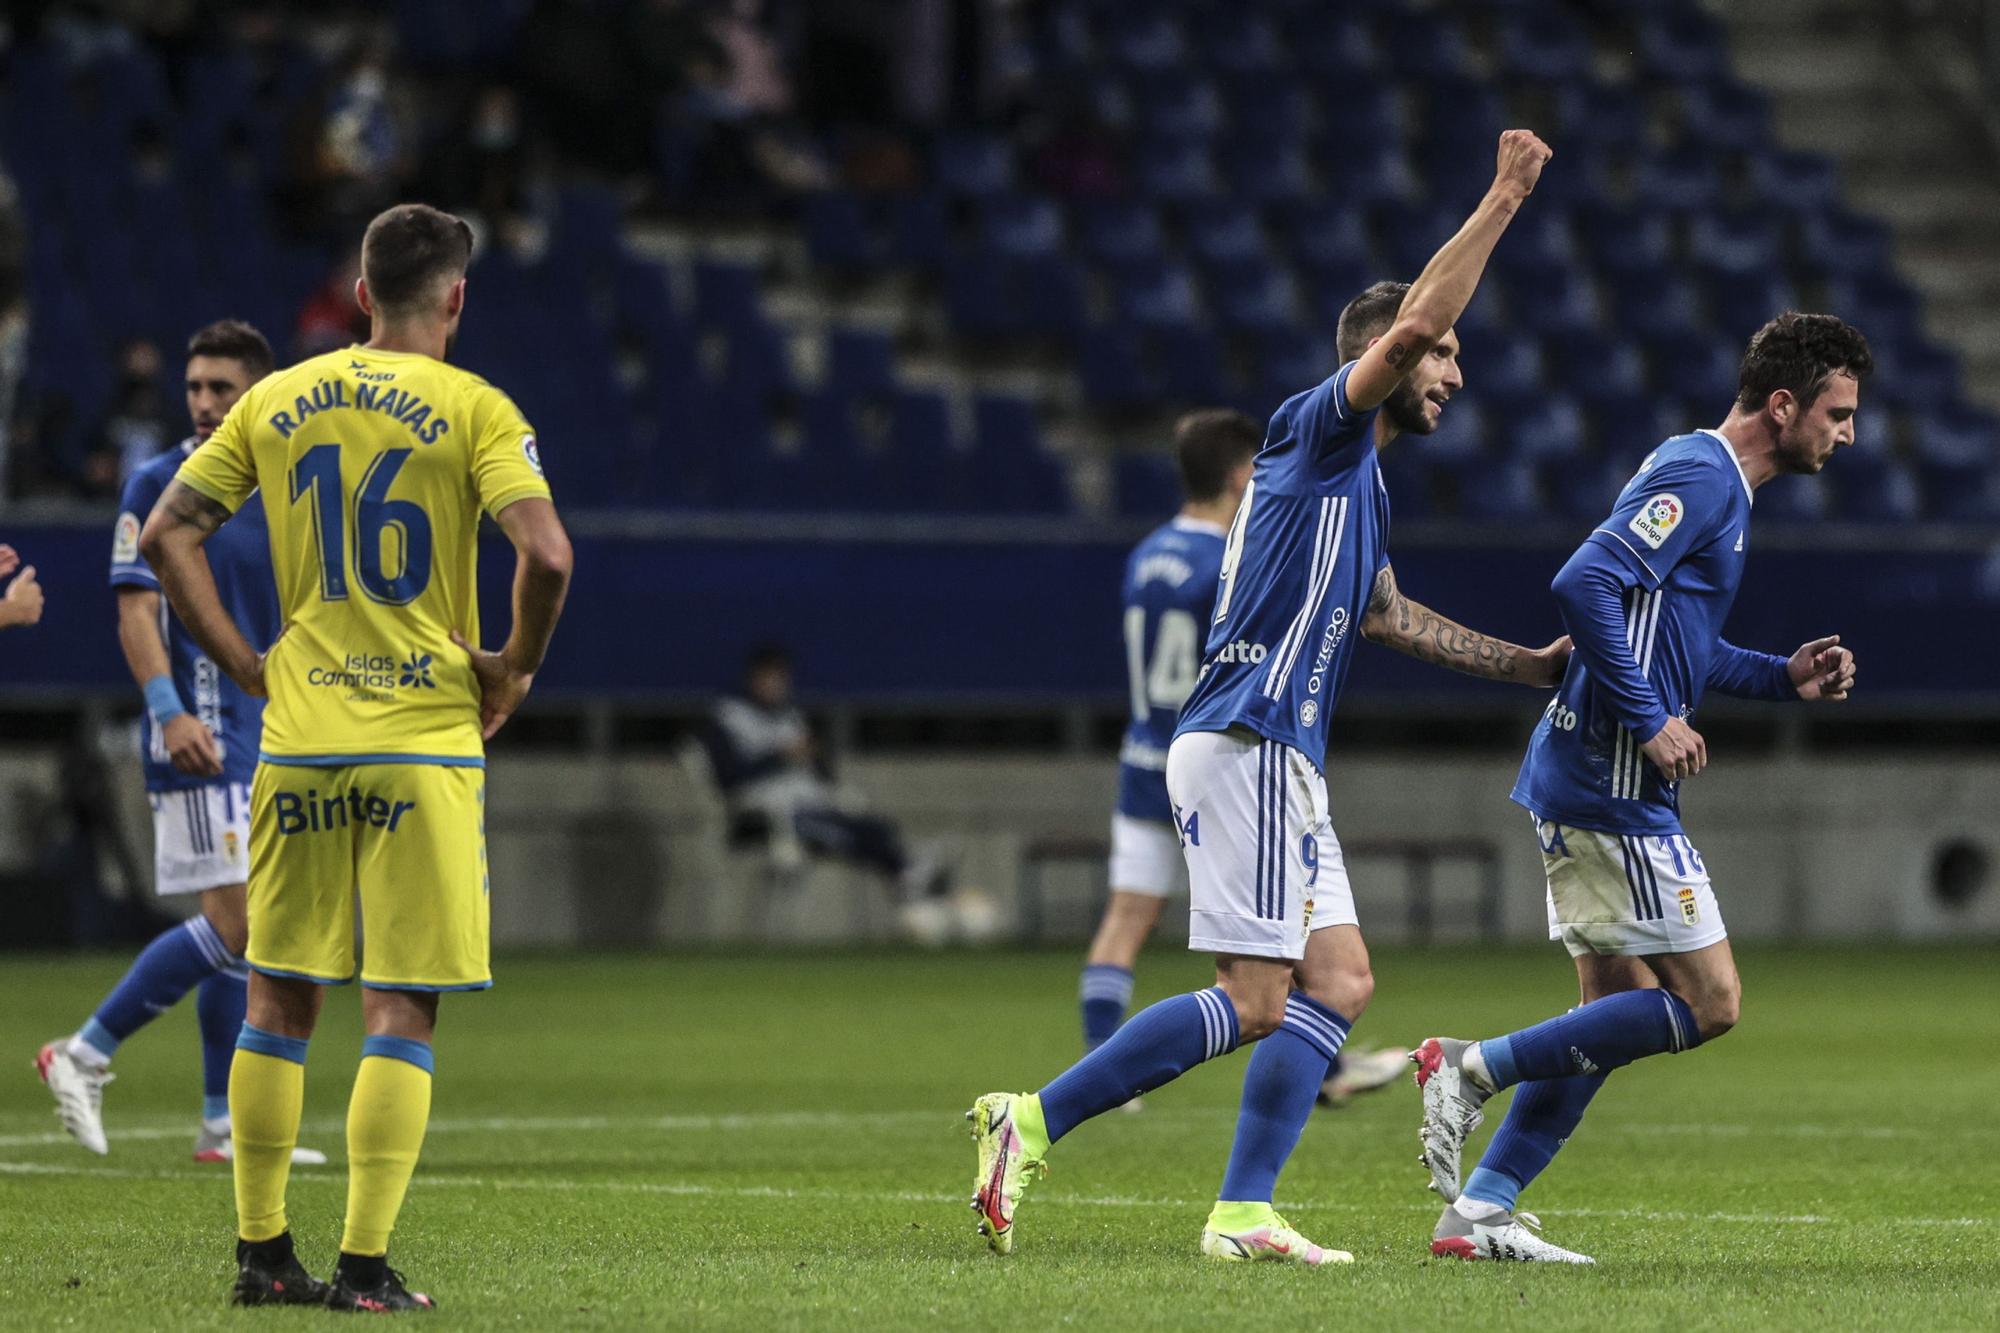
(778, 787)
(138, 426)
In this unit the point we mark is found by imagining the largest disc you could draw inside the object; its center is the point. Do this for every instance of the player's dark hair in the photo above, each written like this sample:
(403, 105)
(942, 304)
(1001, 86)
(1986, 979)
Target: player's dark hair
(236, 340)
(1800, 353)
(1367, 317)
(1211, 444)
(408, 250)
(765, 656)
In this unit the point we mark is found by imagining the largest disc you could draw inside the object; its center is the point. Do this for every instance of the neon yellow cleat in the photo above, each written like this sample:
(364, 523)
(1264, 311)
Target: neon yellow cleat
(1253, 1232)
(1005, 1167)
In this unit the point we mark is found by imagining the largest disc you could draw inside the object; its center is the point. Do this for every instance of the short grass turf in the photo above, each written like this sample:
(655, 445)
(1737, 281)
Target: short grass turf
(704, 1142)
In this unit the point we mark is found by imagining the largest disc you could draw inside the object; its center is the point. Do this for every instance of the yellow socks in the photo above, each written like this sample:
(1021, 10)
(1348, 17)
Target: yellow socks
(267, 1091)
(385, 1129)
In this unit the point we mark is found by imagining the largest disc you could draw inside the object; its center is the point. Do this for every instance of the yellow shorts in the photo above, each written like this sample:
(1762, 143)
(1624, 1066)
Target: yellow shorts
(407, 840)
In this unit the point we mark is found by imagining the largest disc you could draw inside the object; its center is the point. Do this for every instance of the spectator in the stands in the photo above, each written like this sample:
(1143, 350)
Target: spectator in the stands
(778, 786)
(138, 426)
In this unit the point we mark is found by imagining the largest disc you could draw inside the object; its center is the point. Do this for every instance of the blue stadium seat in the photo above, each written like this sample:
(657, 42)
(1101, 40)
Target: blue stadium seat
(1545, 45)
(1334, 48)
(920, 230)
(1052, 300)
(1681, 44)
(1551, 300)
(1022, 226)
(1181, 108)
(1724, 116)
(1146, 42)
(979, 301)
(755, 361)
(1225, 237)
(1460, 437)
(1191, 364)
(1161, 298)
(1499, 490)
(1430, 45)
(1270, 106)
(1172, 172)
(1736, 243)
(1010, 468)
(1743, 303)
(1794, 182)
(973, 164)
(1113, 371)
(860, 361)
(1146, 485)
(1505, 374)
(1603, 370)
(1258, 298)
(838, 236)
(1836, 241)
(1873, 488)
(1408, 478)
(1288, 364)
(727, 295)
(1552, 430)
(1794, 500)
(1119, 234)
(1236, 40)
(1681, 180)
(1269, 171)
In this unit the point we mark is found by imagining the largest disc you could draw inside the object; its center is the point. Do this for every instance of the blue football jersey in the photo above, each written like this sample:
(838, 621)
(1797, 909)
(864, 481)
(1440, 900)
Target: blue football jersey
(1169, 592)
(1676, 539)
(1309, 538)
(240, 554)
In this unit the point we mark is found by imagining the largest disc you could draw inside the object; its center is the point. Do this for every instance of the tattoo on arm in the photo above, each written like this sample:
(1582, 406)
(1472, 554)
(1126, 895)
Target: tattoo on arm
(1384, 592)
(186, 505)
(1429, 637)
(1396, 355)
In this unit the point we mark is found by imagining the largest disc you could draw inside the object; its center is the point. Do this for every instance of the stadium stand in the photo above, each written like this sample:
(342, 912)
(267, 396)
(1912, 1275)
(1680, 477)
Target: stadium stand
(1220, 180)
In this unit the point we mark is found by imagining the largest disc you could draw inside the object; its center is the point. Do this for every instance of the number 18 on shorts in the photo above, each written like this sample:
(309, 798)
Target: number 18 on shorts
(1264, 868)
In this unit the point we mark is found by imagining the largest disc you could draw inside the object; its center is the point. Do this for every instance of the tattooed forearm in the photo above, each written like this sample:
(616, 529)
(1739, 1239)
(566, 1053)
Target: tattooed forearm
(186, 505)
(1447, 643)
(1384, 592)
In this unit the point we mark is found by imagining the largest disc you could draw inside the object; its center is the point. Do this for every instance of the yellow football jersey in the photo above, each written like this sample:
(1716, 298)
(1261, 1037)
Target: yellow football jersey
(374, 467)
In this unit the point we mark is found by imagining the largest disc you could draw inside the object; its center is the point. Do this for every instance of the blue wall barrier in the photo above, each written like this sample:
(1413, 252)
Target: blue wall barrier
(939, 613)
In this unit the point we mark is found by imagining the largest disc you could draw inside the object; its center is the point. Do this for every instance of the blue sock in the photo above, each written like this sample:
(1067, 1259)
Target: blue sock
(1540, 1120)
(1278, 1094)
(172, 965)
(1593, 1038)
(1159, 1044)
(1106, 991)
(220, 1004)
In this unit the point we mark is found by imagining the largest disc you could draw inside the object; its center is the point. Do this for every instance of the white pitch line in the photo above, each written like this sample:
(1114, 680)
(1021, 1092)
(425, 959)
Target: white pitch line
(689, 1189)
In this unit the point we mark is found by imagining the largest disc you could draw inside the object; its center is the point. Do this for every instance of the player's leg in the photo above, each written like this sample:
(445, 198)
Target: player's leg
(301, 938)
(1707, 979)
(1329, 989)
(1541, 1117)
(424, 909)
(1215, 783)
(220, 1007)
(200, 840)
(1145, 863)
(1608, 899)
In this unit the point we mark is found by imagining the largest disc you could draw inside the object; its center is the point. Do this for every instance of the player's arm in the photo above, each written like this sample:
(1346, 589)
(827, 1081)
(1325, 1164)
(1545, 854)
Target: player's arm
(1590, 590)
(542, 560)
(1819, 671)
(1394, 621)
(1442, 291)
(188, 741)
(172, 543)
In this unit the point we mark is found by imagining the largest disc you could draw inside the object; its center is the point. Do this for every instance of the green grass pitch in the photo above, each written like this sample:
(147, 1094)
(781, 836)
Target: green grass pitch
(702, 1142)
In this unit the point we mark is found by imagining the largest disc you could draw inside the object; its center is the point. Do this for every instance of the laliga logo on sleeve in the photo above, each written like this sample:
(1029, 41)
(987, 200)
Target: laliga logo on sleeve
(1657, 521)
(125, 539)
(531, 453)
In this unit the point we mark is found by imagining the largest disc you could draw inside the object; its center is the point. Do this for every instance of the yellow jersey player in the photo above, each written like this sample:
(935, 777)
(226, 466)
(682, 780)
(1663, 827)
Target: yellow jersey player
(375, 463)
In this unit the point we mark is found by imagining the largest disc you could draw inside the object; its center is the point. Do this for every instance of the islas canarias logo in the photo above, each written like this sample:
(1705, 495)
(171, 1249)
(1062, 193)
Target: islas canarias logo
(1657, 519)
(377, 676)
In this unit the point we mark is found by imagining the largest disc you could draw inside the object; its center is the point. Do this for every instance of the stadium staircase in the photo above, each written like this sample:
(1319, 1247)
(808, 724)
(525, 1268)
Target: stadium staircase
(1882, 95)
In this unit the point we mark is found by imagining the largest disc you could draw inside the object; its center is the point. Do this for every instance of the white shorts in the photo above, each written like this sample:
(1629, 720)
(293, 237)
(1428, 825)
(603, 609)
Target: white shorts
(201, 838)
(1145, 856)
(1629, 894)
(1264, 869)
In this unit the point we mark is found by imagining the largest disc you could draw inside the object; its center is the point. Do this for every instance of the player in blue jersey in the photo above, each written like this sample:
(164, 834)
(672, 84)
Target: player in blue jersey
(1304, 572)
(199, 737)
(1644, 598)
(1168, 597)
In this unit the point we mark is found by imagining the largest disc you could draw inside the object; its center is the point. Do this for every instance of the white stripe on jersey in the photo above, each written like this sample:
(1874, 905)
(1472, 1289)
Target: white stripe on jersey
(1326, 554)
(1642, 623)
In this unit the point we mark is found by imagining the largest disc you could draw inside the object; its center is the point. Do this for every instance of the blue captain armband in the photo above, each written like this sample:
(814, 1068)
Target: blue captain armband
(163, 701)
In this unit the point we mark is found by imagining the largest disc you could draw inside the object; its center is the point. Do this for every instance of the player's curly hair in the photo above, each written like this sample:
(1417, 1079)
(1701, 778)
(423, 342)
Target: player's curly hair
(1367, 317)
(1209, 445)
(1800, 353)
(234, 339)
